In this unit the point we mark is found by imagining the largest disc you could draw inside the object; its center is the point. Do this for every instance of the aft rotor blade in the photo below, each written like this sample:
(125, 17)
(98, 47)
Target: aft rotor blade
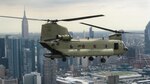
(115, 31)
(27, 18)
(80, 18)
(134, 32)
(100, 27)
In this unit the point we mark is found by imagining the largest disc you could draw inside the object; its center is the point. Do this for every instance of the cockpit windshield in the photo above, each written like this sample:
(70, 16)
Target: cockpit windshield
(123, 44)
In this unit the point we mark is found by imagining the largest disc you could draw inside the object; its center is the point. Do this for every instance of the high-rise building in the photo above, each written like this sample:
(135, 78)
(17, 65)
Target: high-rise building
(49, 76)
(85, 63)
(63, 65)
(147, 39)
(15, 58)
(40, 58)
(91, 33)
(25, 33)
(2, 71)
(131, 55)
(2, 49)
(21, 57)
(32, 78)
(3, 59)
(9, 81)
(28, 55)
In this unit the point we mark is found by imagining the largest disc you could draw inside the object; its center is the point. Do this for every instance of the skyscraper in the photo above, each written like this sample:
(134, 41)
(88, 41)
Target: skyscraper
(3, 59)
(28, 55)
(2, 49)
(32, 78)
(147, 39)
(15, 58)
(9, 81)
(2, 71)
(40, 57)
(49, 75)
(25, 32)
(91, 33)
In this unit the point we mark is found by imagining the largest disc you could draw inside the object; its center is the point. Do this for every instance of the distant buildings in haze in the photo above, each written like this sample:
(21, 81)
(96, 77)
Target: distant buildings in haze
(147, 39)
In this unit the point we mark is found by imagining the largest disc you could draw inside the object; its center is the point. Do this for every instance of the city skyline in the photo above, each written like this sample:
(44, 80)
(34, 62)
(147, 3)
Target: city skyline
(25, 59)
(127, 15)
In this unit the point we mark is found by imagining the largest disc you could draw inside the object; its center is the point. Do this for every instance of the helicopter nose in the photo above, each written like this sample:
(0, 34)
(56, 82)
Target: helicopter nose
(126, 49)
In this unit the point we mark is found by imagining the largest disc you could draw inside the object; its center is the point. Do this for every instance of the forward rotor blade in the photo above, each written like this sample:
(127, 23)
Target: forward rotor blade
(100, 27)
(48, 20)
(27, 18)
(80, 18)
(11, 17)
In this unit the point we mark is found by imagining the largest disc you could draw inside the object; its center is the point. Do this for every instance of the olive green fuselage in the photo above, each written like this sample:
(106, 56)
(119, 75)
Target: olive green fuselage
(87, 47)
(57, 39)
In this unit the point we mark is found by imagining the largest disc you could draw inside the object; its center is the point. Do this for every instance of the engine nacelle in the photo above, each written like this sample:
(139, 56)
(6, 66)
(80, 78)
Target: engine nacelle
(64, 37)
(116, 36)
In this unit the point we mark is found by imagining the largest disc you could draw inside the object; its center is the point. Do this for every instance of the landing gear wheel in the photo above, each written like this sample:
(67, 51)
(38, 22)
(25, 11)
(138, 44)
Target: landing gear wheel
(64, 59)
(91, 58)
(52, 58)
(103, 60)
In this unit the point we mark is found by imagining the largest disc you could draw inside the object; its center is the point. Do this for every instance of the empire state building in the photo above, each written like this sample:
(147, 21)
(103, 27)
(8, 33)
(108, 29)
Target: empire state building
(25, 33)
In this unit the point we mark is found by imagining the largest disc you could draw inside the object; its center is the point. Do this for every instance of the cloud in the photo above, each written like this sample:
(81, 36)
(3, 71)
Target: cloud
(49, 3)
(133, 13)
(38, 2)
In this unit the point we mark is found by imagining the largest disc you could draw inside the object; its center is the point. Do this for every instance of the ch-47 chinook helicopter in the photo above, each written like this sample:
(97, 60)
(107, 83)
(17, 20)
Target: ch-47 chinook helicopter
(57, 39)
(63, 45)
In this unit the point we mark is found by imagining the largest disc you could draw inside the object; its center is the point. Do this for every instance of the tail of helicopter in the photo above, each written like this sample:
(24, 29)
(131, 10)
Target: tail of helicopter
(51, 31)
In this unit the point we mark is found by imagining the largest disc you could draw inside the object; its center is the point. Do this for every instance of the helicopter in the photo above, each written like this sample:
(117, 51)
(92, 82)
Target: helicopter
(57, 39)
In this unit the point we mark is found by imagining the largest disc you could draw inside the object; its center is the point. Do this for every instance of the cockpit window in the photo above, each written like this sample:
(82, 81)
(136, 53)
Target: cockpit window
(123, 44)
(116, 46)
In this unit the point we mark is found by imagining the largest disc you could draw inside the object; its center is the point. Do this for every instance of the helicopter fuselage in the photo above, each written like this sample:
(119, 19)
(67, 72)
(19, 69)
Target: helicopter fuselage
(88, 47)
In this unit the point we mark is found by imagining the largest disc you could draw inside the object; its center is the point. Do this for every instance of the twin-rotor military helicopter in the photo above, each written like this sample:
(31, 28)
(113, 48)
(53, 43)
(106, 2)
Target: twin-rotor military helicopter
(57, 39)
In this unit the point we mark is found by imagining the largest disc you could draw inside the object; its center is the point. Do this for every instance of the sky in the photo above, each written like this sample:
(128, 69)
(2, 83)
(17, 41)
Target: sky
(119, 14)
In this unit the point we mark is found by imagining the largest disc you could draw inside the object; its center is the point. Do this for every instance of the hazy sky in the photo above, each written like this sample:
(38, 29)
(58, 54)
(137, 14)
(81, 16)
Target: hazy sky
(119, 14)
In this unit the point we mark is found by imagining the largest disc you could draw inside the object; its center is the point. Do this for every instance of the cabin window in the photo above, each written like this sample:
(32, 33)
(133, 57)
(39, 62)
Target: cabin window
(106, 46)
(94, 46)
(116, 46)
(71, 46)
(79, 45)
(83, 46)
